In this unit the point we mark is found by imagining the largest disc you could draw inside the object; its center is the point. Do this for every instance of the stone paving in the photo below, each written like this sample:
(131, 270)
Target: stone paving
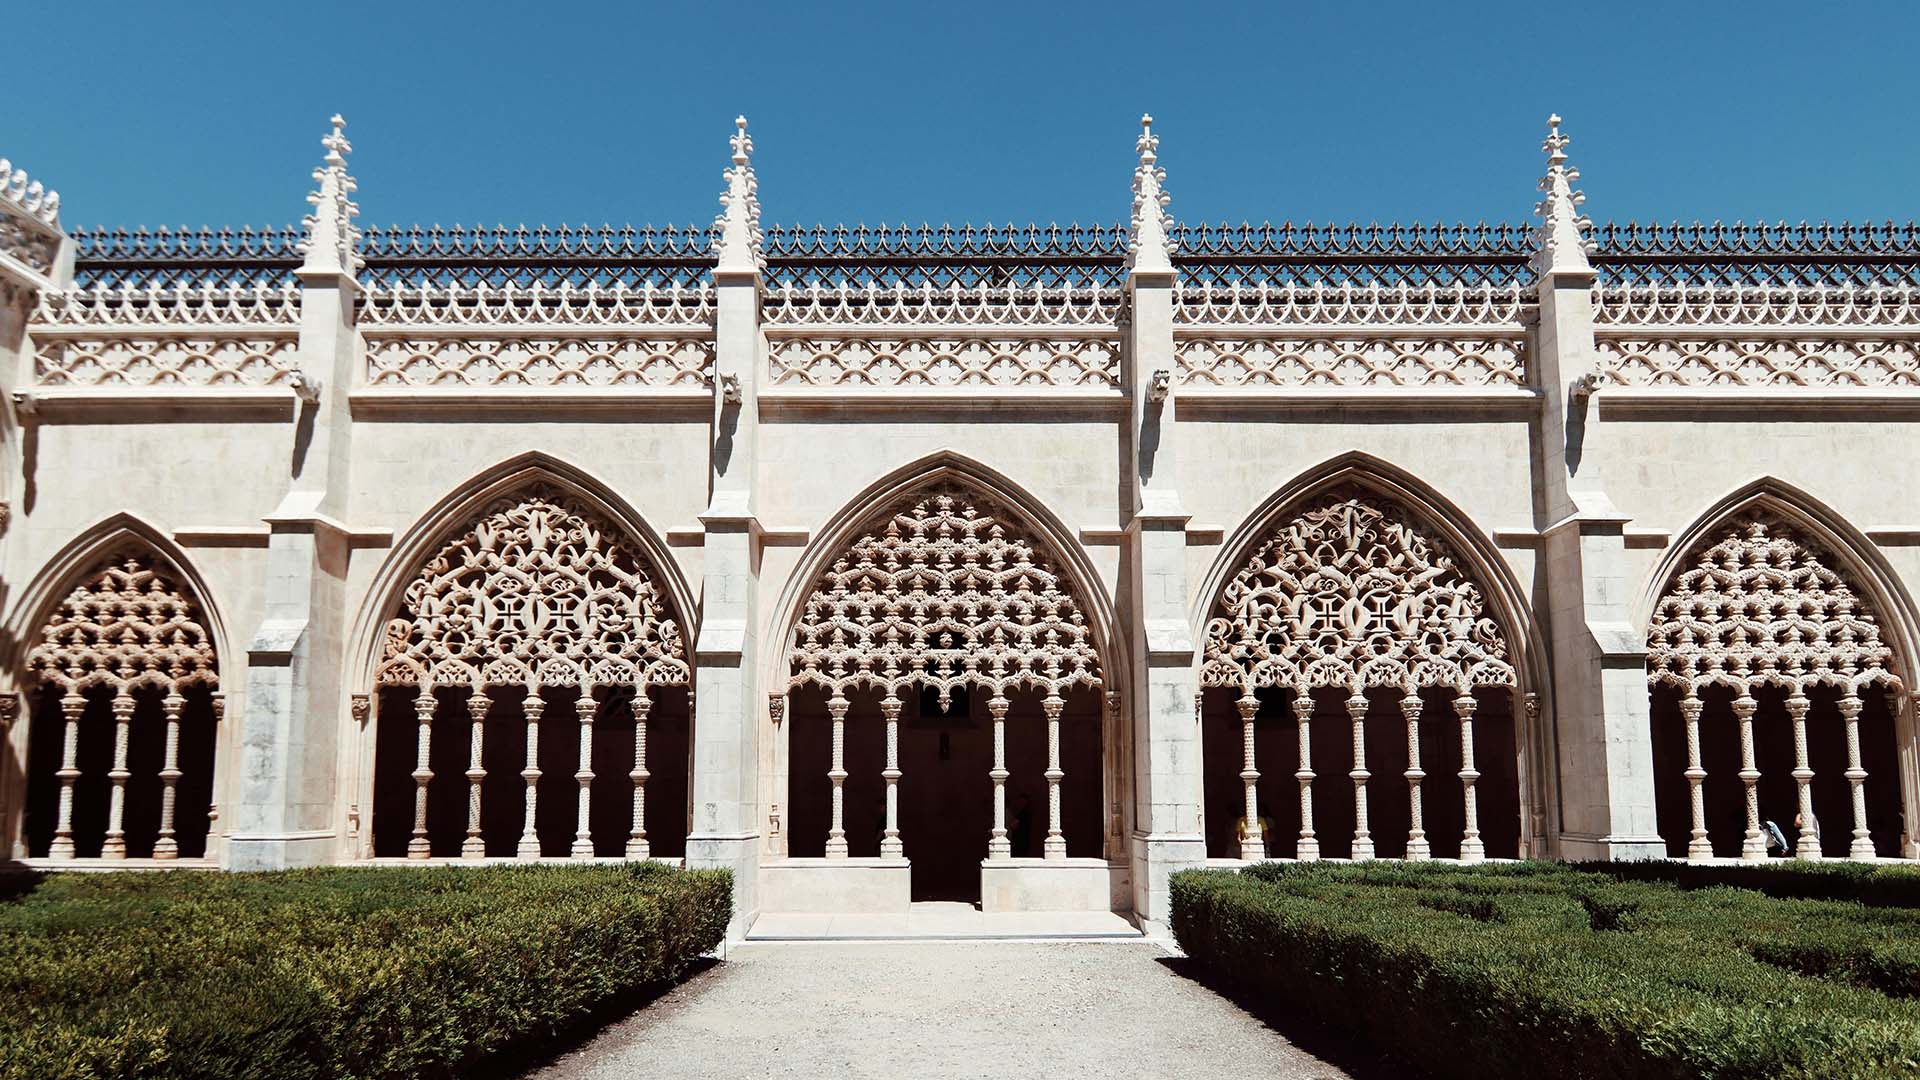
(950, 1009)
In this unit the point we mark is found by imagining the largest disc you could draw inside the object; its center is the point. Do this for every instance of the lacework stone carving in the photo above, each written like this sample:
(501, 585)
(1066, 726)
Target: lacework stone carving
(955, 305)
(944, 361)
(1755, 305)
(1263, 305)
(158, 308)
(1760, 604)
(411, 360)
(127, 624)
(538, 306)
(1814, 361)
(1349, 594)
(1328, 361)
(167, 360)
(943, 590)
(540, 590)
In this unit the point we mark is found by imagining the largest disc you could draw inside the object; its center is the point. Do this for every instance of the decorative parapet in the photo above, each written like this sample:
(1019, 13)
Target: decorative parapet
(133, 338)
(538, 337)
(1780, 254)
(1758, 336)
(1343, 337)
(878, 336)
(32, 246)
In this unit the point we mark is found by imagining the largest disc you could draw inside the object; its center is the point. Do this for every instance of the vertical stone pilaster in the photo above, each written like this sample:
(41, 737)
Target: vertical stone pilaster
(287, 811)
(1166, 751)
(1599, 710)
(726, 724)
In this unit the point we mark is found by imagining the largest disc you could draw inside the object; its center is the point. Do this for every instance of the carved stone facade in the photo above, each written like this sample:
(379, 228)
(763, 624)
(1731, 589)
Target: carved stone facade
(794, 544)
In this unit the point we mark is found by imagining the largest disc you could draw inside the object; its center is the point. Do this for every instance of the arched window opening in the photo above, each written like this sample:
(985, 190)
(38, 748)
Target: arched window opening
(951, 624)
(1773, 701)
(1351, 640)
(534, 687)
(124, 695)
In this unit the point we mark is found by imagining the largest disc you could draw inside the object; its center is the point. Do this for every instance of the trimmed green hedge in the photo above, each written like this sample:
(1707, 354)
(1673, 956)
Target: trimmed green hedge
(343, 972)
(1543, 969)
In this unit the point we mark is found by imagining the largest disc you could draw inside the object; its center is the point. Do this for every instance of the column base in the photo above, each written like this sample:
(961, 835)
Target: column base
(638, 848)
(999, 848)
(892, 849)
(473, 848)
(529, 847)
(1363, 849)
(115, 847)
(418, 848)
(166, 848)
(1307, 849)
(62, 848)
(1862, 850)
(1472, 850)
(1054, 848)
(1418, 849)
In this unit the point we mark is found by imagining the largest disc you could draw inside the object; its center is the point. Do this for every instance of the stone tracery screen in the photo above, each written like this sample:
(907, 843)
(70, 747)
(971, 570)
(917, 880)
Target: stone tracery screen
(540, 590)
(127, 625)
(1349, 593)
(943, 590)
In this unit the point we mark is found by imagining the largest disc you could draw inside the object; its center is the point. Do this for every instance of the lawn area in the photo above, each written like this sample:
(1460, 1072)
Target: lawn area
(347, 972)
(1546, 969)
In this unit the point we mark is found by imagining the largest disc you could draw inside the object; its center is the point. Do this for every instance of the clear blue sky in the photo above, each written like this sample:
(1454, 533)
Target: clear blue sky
(150, 113)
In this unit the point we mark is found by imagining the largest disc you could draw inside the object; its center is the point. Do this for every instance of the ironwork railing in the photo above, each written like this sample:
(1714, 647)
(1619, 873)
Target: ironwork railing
(1778, 253)
(1021, 257)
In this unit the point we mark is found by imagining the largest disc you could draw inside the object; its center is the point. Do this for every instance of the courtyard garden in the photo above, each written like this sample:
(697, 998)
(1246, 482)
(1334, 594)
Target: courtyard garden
(1608, 970)
(363, 972)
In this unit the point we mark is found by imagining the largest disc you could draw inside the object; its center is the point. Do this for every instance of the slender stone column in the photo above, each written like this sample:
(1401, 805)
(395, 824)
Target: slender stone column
(837, 773)
(1699, 848)
(1808, 846)
(1471, 850)
(474, 847)
(115, 845)
(1254, 847)
(166, 847)
(360, 707)
(1309, 846)
(1056, 845)
(1362, 836)
(1417, 846)
(637, 847)
(1753, 846)
(890, 846)
(998, 846)
(71, 707)
(423, 706)
(583, 775)
(1862, 846)
(776, 837)
(529, 846)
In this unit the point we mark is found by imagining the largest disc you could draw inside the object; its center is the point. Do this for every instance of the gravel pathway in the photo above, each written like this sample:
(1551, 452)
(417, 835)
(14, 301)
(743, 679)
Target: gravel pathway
(943, 1009)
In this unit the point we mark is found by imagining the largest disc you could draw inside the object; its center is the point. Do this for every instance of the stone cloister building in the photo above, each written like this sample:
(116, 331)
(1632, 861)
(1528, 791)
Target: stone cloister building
(1024, 566)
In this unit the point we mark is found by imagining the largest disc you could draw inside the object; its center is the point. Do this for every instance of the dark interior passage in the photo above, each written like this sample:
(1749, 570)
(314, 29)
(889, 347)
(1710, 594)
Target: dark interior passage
(945, 792)
(504, 755)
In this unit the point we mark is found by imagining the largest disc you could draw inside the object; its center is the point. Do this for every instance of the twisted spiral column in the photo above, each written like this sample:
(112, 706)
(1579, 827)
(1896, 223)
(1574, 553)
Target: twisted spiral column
(1753, 846)
(1362, 836)
(890, 846)
(115, 846)
(637, 847)
(1056, 845)
(998, 846)
(1254, 847)
(166, 846)
(1308, 848)
(72, 705)
(1417, 846)
(423, 707)
(473, 847)
(837, 773)
(1862, 846)
(583, 775)
(1699, 848)
(529, 846)
(1471, 849)
(1808, 844)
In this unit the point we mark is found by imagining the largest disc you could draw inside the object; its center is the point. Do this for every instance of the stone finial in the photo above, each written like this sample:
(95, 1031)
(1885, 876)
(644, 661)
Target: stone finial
(740, 247)
(332, 239)
(28, 196)
(1561, 237)
(1149, 247)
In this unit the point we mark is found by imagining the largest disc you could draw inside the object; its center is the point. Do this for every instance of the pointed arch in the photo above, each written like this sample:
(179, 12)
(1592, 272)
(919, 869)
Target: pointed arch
(567, 496)
(1427, 526)
(973, 504)
(1832, 583)
(89, 551)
